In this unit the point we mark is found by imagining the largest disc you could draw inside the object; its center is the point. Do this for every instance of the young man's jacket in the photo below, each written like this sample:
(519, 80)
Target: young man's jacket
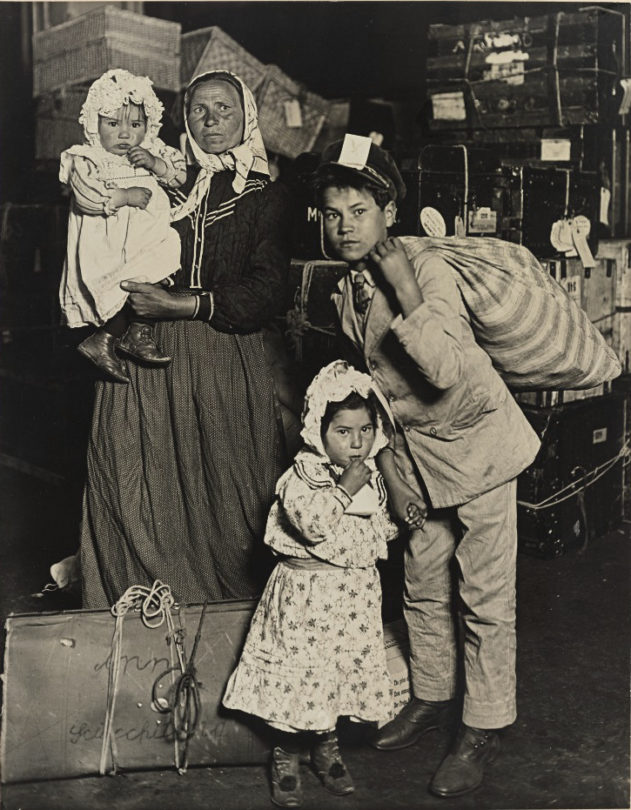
(464, 431)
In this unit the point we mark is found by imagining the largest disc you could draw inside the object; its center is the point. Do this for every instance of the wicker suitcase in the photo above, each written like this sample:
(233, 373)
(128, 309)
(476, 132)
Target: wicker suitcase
(81, 49)
(290, 117)
(212, 49)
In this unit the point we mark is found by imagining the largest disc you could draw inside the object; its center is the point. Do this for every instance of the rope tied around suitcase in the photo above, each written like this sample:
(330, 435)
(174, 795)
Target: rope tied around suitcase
(155, 604)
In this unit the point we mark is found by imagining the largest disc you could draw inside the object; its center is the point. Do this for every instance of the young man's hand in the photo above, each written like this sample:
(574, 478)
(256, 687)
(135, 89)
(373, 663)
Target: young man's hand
(392, 261)
(139, 157)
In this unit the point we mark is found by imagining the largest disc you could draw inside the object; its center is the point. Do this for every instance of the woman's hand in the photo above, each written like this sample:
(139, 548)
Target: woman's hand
(355, 476)
(153, 301)
(392, 261)
(407, 505)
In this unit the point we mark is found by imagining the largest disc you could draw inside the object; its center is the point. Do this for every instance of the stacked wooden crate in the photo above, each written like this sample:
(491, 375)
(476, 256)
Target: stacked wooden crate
(549, 70)
(544, 91)
(528, 115)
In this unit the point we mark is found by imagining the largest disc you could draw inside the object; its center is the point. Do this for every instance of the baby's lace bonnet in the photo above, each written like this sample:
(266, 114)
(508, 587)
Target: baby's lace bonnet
(113, 90)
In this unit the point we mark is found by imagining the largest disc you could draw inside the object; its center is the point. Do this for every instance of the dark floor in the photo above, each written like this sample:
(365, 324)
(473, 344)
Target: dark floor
(568, 749)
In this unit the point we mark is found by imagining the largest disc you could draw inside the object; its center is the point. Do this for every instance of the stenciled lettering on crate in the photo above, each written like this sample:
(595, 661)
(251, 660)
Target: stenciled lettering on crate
(554, 69)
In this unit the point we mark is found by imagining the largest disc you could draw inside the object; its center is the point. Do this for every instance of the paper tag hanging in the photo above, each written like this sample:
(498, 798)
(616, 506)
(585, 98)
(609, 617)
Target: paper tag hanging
(625, 104)
(355, 151)
(293, 114)
(432, 222)
(580, 227)
(561, 237)
(605, 199)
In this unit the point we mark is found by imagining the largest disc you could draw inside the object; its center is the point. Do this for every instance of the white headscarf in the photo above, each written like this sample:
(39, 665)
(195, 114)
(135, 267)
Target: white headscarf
(247, 156)
(333, 384)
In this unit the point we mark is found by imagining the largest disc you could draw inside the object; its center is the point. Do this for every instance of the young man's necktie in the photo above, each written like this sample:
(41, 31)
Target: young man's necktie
(361, 293)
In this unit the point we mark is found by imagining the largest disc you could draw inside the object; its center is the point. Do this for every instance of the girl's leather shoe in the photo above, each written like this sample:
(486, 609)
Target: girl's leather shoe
(328, 764)
(463, 769)
(285, 776)
(99, 348)
(414, 719)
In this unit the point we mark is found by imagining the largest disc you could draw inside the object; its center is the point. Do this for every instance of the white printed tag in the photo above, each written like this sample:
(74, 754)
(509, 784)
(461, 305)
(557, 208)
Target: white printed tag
(355, 151)
(293, 114)
(599, 435)
(555, 149)
(449, 107)
(483, 220)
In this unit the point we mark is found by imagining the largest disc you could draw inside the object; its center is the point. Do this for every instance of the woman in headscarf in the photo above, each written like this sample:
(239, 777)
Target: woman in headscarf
(182, 463)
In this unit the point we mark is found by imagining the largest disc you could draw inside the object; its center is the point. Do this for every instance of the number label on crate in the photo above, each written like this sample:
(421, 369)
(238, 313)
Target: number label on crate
(572, 287)
(599, 435)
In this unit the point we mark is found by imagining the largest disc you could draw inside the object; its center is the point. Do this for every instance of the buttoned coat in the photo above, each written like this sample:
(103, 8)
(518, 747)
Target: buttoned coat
(462, 428)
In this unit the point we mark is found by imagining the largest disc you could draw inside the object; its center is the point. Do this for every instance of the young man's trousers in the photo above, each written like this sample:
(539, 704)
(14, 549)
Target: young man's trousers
(473, 546)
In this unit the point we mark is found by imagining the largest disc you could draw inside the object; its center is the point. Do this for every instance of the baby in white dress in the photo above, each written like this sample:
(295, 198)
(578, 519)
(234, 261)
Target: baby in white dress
(118, 227)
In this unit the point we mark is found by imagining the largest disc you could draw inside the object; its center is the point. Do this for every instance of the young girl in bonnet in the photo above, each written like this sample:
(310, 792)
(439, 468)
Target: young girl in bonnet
(315, 646)
(118, 226)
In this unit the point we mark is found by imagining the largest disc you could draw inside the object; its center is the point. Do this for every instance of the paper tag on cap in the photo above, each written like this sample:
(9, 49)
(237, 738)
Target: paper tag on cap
(355, 151)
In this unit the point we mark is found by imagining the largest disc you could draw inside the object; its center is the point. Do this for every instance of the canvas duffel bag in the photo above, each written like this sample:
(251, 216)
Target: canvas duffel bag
(536, 335)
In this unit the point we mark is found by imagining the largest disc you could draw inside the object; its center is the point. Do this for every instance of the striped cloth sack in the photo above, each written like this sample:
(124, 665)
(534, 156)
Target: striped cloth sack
(536, 335)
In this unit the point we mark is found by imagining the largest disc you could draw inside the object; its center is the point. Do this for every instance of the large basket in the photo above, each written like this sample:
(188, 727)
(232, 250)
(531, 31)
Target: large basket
(212, 49)
(275, 119)
(80, 50)
(57, 121)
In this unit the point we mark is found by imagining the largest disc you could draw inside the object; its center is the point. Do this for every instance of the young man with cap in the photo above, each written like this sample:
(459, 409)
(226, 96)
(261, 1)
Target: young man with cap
(461, 441)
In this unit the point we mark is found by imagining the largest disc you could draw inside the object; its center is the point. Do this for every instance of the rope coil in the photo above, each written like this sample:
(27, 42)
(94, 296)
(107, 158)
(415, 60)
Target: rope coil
(580, 484)
(154, 604)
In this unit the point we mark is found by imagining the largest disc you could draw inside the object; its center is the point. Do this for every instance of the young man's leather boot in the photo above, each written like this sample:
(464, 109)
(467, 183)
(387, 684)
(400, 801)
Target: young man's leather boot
(414, 719)
(463, 769)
